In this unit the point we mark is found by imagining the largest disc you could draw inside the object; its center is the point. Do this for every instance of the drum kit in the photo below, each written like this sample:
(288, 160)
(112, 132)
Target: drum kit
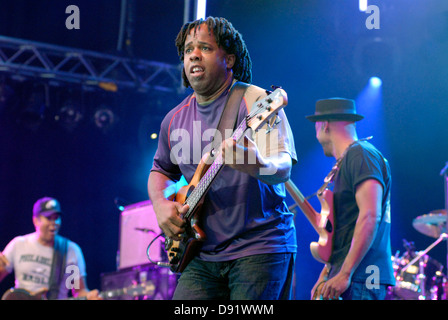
(418, 276)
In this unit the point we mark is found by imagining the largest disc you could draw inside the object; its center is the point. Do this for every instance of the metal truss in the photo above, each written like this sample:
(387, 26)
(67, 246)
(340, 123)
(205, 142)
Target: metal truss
(62, 64)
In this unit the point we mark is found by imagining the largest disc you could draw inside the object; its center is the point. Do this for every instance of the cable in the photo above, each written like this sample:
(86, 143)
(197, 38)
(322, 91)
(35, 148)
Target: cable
(161, 264)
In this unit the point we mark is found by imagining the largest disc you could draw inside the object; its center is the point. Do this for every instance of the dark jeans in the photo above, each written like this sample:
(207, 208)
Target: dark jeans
(359, 291)
(257, 277)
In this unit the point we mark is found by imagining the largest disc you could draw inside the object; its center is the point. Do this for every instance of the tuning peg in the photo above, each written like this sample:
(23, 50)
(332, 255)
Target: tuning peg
(276, 122)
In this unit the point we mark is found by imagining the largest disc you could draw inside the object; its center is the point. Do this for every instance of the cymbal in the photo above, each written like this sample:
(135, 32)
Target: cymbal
(432, 224)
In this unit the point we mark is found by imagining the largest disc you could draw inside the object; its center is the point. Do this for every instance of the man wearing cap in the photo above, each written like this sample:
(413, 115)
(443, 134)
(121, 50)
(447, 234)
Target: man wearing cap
(45, 261)
(360, 267)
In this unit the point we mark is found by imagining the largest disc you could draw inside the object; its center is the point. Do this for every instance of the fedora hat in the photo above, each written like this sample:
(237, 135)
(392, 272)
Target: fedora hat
(335, 109)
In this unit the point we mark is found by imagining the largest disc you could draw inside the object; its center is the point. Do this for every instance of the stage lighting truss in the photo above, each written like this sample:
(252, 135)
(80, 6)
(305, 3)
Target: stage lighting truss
(63, 64)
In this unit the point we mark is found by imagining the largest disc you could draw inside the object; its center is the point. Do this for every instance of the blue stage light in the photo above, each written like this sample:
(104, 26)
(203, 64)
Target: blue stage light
(201, 7)
(363, 5)
(375, 82)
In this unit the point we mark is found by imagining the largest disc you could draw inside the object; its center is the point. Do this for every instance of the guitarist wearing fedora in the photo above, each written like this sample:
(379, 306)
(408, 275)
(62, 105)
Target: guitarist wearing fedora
(248, 241)
(360, 266)
(45, 264)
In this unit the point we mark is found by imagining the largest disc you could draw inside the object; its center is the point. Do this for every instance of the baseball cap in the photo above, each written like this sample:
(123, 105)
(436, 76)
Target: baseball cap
(46, 206)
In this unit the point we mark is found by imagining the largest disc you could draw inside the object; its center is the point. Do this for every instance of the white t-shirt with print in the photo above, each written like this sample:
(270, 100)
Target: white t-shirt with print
(31, 263)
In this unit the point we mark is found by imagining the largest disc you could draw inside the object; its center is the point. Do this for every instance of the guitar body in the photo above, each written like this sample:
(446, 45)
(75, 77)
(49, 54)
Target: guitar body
(322, 222)
(181, 252)
(322, 249)
(23, 294)
(135, 290)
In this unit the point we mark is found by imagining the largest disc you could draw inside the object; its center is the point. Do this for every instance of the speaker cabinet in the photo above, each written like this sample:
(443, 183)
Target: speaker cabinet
(138, 228)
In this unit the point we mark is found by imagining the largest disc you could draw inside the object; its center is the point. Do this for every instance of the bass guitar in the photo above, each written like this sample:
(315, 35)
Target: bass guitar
(322, 222)
(180, 252)
(136, 290)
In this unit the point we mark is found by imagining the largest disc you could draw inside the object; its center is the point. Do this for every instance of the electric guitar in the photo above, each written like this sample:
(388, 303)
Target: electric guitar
(145, 288)
(180, 252)
(322, 222)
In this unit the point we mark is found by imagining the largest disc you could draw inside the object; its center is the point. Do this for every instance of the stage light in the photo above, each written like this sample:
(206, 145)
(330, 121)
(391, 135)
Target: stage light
(69, 116)
(201, 6)
(375, 82)
(363, 4)
(105, 118)
(32, 116)
(35, 108)
(370, 104)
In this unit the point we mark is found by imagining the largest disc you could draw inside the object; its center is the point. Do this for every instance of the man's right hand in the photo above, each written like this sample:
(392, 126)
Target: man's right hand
(168, 217)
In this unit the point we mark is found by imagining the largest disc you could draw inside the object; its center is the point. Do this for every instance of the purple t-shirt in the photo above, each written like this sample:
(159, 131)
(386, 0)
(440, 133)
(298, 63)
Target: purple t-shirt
(241, 215)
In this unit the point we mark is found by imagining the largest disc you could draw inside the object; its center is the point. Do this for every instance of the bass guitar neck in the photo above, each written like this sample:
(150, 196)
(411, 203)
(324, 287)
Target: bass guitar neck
(323, 222)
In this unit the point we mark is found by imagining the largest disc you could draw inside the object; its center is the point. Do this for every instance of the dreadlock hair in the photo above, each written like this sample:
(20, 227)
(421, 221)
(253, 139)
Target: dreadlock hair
(227, 38)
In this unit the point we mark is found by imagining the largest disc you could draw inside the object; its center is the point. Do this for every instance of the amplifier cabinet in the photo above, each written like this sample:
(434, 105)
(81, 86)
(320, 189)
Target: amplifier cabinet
(138, 228)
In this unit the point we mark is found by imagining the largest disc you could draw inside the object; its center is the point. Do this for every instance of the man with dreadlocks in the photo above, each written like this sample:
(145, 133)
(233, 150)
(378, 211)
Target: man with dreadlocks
(250, 244)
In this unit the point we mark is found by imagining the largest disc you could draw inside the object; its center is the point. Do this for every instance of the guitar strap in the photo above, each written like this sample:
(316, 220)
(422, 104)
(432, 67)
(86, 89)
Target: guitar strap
(229, 116)
(57, 266)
